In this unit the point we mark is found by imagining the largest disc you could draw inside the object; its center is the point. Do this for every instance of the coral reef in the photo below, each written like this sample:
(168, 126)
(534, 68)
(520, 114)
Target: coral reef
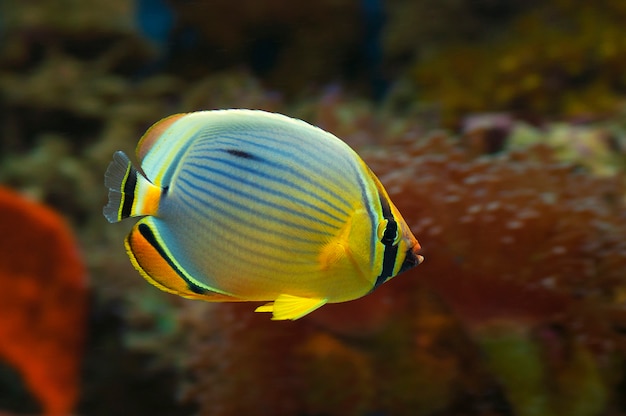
(518, 308)
(547, 220)
(560, 58)
(599, 148)
(522, 247)
(527, 253)
(242, 363)
(42, 301)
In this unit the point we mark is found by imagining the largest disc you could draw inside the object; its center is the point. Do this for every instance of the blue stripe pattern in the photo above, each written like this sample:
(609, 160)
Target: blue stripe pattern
(275, 179)
(275, 192)
(242, 206)
(306, 162)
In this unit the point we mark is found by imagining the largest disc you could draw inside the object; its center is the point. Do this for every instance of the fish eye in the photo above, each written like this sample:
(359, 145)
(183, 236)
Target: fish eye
(388, 232)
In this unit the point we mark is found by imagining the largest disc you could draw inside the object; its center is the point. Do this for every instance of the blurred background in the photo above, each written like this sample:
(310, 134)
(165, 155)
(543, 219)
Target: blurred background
(497, 126)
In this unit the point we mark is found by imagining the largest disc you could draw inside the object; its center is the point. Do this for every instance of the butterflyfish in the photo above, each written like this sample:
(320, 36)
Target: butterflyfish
(247, 205)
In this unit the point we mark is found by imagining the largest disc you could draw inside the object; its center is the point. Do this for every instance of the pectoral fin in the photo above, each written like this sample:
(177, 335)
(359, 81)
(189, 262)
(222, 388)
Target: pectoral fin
(291, 307)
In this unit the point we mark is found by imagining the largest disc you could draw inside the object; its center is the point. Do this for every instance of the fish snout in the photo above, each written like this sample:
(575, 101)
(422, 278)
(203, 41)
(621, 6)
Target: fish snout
(411, 259)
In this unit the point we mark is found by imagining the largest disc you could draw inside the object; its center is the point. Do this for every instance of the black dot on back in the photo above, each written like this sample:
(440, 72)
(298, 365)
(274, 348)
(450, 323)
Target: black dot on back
(241, 154)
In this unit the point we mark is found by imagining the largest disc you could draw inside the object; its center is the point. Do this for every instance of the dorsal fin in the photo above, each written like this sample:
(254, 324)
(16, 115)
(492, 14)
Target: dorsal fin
(154, 132)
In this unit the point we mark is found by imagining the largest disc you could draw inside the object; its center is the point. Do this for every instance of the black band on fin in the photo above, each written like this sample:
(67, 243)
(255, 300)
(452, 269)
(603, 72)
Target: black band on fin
(147, 233)
(130, 182)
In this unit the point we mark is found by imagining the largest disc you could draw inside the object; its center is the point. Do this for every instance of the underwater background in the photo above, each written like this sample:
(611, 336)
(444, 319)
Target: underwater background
(497, 127)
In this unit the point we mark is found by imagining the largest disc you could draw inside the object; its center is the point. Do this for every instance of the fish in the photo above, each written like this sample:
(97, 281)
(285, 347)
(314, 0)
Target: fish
(247, 205)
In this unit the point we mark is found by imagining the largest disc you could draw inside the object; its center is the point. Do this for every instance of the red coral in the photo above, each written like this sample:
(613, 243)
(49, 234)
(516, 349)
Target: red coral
(516, 236)
(42, 301)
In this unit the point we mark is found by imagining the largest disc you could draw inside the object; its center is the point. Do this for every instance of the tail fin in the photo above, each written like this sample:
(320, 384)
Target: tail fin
(130, 193)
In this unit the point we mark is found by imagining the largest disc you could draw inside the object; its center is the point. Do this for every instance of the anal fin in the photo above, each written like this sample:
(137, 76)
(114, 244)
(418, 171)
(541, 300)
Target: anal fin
(153, 261)
(291, 307)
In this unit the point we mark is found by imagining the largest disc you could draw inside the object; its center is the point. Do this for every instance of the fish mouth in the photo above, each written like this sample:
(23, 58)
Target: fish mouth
(411, 260)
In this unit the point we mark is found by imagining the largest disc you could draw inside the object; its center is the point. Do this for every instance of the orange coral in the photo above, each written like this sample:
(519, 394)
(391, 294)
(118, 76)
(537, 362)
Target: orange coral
(42, 301)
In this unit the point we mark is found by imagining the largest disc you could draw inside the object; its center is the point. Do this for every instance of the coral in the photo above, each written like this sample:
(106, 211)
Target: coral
(560, 58)
(535, 386)
(67, 105)
(527, 253)
(510, 279)
(527, 245)
(42, 301)
(241, 362)
(244, 363)
(597, 147)
(559, 229)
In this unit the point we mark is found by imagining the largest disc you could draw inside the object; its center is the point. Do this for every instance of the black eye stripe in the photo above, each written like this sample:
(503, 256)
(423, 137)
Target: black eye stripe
(391, 229)
(391, 232)
(389, 235)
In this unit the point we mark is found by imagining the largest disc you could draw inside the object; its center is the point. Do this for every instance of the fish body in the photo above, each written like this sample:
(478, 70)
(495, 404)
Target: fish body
(246, 205)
